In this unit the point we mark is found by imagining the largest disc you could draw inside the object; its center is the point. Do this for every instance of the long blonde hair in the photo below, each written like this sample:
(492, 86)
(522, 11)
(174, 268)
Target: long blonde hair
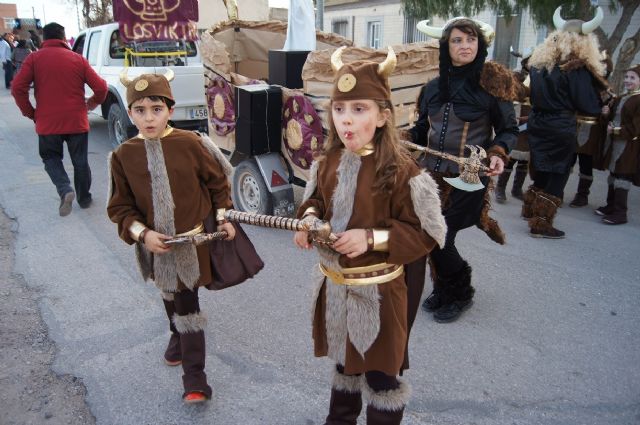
(390, 156)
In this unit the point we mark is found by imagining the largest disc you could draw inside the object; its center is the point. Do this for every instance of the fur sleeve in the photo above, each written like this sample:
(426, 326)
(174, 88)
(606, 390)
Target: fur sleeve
(312, 182)
(217, 154)
(499, 82)
(426, 203)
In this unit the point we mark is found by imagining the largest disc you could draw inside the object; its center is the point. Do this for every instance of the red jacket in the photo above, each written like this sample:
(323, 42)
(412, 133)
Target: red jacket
(59, 76)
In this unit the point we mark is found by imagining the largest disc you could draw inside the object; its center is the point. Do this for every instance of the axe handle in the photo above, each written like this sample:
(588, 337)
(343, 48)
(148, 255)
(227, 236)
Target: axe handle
(458, 160)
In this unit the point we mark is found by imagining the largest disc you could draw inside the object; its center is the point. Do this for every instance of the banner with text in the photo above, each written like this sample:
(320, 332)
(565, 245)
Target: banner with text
(144, 20)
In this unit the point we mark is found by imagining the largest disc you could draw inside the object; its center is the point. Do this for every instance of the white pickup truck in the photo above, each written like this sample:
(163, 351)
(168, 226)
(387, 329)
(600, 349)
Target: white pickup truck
(107, 54)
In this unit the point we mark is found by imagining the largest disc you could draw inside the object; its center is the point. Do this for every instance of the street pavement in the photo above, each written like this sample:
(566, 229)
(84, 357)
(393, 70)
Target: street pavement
(553, 336)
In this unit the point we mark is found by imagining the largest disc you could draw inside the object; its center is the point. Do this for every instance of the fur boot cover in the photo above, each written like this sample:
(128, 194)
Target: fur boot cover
(347, 383)
(544, 210)
(527, 201)
(389, 401)
(456, 287)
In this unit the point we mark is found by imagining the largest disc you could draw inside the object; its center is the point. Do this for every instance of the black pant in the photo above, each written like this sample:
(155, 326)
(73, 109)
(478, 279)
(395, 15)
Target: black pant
(463, 211)
(585, 162)
(551, 183)
(51, 152)
(8, 73)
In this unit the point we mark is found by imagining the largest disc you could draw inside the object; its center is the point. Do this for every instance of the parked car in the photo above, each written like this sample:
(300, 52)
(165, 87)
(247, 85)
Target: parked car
(109, 55)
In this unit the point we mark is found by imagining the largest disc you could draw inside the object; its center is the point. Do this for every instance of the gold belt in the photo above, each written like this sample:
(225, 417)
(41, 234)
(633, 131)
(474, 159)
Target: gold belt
(585, 119)
(196, 230)
(367, 275)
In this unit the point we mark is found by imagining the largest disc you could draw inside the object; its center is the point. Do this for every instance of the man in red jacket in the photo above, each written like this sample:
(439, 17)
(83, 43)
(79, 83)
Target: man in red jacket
(59, 76)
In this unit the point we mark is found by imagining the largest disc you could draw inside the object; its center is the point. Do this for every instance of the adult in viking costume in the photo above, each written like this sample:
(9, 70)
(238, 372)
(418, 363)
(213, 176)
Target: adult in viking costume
(164, 183)
(566, 79)
(590, 138)
(386, 213)
(469, 102)
(519, 155)
(623, 149)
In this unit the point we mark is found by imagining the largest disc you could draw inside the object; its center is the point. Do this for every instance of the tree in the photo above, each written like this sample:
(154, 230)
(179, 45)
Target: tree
(542, 14)
(95, 12)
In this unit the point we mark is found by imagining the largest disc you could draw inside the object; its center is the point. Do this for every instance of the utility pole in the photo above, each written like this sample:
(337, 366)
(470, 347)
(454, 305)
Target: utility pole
(320, 15)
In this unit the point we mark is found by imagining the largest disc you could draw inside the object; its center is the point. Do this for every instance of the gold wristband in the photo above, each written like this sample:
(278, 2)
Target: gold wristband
(220, 219)
(136, 229)
(380, 240)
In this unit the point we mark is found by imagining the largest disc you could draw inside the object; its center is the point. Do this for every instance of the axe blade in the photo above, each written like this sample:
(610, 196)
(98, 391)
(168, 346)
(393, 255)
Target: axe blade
(458, 183)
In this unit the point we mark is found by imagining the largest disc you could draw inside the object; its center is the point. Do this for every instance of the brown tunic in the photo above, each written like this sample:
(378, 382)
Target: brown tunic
(628, 161)
(407, 242)
(197, 184)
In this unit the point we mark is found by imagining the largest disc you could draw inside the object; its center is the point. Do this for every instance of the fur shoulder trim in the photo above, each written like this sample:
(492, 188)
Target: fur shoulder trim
(498, 81)
(426, 203)
(217, 154)
(312, 182)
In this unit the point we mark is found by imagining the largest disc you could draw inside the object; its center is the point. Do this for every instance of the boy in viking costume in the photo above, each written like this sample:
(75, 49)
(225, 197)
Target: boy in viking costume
(467, 104)
(164, 182)
(386, 213)
(566, 80)
(622, 151)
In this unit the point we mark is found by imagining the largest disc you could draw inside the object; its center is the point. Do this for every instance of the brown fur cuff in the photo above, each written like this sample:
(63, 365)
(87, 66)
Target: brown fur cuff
(497, 150)
(499, 82)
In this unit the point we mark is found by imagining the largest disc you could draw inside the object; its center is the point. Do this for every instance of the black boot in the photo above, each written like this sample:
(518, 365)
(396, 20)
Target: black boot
(346, 400)
(544, 209)
(607, 209)
(518, 180)
(619, 214)
(582, 195)
(434, 300)
(173, 353)
(501, 186)
(457, 295)
(387, 407)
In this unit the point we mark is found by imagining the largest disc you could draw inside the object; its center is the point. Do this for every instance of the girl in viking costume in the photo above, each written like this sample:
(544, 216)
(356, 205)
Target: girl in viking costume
(566, 80)
(467, 104)
(164, 182)
(386, 213)
(622, 149)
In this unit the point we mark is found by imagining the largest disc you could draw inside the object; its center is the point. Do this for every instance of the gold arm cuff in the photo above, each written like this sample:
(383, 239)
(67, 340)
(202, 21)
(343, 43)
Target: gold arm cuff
(367, 275)
(585, 119)
(311, 211)
(380, 240)
(220, 215)
(195, 231)
(135, 229)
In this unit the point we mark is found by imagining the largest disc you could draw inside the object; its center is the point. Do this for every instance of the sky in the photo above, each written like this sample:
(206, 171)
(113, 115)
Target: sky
(64, 11)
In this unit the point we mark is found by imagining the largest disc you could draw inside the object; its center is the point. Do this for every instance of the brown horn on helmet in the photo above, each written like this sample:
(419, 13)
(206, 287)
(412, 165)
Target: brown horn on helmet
(435, 32)
(124, 79)
(336, 59)
(591, 25)
(169, 74)
(386, 68)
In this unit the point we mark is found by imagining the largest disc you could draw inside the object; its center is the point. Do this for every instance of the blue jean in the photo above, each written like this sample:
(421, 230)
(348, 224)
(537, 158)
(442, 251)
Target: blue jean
(51, 152)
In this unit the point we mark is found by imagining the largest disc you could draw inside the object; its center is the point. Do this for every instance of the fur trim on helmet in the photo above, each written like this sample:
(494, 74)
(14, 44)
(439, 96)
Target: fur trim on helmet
(351, 384)
(499, 82)
(190, 323)
(426, 203)
(388, 401)
(562, 47)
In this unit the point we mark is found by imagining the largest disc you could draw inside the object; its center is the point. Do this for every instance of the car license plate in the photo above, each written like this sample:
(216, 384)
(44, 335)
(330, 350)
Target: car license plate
(198, 113)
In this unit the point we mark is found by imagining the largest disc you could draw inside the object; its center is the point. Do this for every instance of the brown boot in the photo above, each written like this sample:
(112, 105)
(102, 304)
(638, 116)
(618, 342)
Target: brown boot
(173, 353)
(607, 209)
(527, 200)
(387, 407)
(192, 343)
(582, 195)
(501, 186)
(619, 214)
(544, 209)
(346, 400)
